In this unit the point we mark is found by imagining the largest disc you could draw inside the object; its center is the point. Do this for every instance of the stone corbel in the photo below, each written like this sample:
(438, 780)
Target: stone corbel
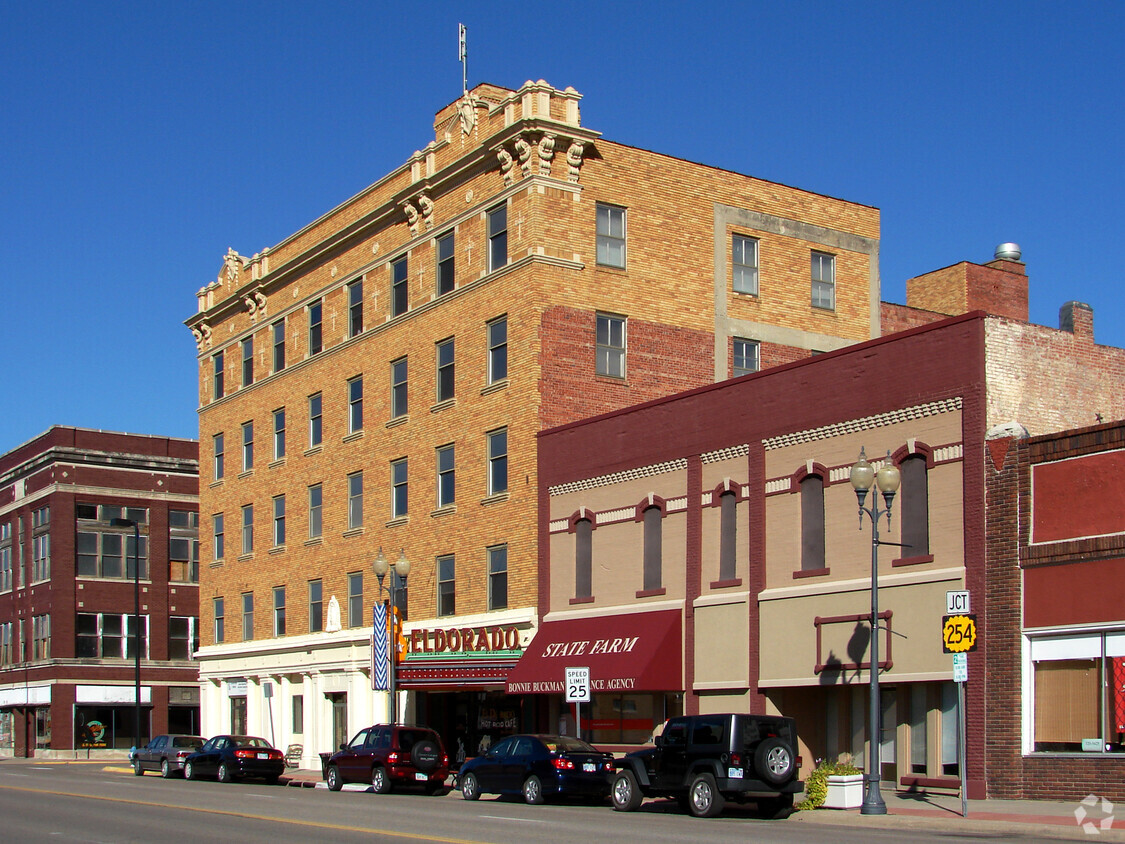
(202, 335)
(574, 159)
(506, 164)
(546, 153)
(427, 206)
(412, 215)
(523, 152)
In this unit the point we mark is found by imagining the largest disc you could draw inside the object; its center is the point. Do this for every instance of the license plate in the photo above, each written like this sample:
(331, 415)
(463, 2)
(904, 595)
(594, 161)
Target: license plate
(734, 773)
(420, 776)
(589, 767)
(263, 756)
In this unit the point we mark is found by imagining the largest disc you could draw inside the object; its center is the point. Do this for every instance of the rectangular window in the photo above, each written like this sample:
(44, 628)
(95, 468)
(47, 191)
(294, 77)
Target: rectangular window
(316, 327)
(247, 361)
(610, 346)
(279, 345)
(217, 369)
(183, 637)
(247, 446)
(247, 528)
(399, 489)
(111, 635)
(498, 577)
(298, 714)
(446, 477)
(445, 264)
(823, 281)
(400, 298)
(497, 461)
(218, 541)
(218, 445)
(355, 404)
(653, 549)
(446, 586)
(316, 420)
(445, 370)
(247, 616)
(279, 520)
(220, 621)
(355, 307)
(106, 554)
(355, 501)
(497, 350)
(279, 433)
(6, 655)
(745, 356)
(399, 406)
(183, 546)
(279, 611)
(497, 238)
(611, 236)
(6, 557)
(744, 263)
(40, 557)
(41, 637)
(355, 599)
(812, 523)
(316, 606)
(316, 511)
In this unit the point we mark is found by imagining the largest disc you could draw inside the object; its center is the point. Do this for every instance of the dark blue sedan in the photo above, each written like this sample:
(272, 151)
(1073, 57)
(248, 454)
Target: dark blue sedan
(228, 758)
(538, 767)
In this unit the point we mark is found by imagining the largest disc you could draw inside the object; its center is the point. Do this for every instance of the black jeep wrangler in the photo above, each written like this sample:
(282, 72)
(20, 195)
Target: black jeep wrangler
(705, 760)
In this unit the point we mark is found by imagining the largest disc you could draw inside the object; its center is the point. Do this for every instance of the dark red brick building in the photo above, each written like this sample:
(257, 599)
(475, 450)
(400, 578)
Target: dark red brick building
(67, 658)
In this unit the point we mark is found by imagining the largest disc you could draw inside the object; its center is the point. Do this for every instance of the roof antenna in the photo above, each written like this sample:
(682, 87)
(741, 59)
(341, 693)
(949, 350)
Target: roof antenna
(463, 43)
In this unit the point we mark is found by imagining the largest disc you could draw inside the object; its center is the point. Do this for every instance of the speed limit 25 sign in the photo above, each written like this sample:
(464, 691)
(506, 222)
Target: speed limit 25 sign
(578, 685)
(959, 633)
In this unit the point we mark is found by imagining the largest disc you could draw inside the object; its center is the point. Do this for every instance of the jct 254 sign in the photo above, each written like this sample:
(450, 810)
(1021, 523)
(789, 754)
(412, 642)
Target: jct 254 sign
(462, 639)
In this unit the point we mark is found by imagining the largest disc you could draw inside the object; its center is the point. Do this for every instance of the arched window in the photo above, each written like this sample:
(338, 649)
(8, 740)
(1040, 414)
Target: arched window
(915, 507)
(583, 558)
(728, 534)
(812, 523)
(653, 548)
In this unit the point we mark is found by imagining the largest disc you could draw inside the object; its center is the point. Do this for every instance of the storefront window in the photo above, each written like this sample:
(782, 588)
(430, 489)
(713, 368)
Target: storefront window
(1071, 713)
(97, 727)
(629, 719)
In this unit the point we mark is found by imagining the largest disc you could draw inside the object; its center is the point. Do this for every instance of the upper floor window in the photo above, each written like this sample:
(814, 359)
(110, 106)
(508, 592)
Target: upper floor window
(498, 577)
(497, 350)
(812, 523)
(445, 370)
(611, 236)
(279, 433)
(728, 535)
(316, 420)
(6, 557)
(41, 637)
(497, 461)
(247, 616)
(745, 356)
(583, 558)
(447, 586)
(355, 599)
(103, 551)
(654, 548)
(316, 511)
(446, 476)
(914, 506)
(183, 546)
(218, 369)
(399, 406)
(279, 611)
(218, 546)
(108, 636)
(355, 500)
(355, 404)
(278, 330)
(316, 327)
(744, 261)
(248, 361)
(41, 545)
(400, 299)
(219, 449)
(400, 489)
(183, 636)
(278, 520)
(497, 238)
(247, 446)
(7, 653)
(445, 264)
(316, 606)
(218, 612)
(355, 307)
(823, 280)
(611, 346)
(247, 528)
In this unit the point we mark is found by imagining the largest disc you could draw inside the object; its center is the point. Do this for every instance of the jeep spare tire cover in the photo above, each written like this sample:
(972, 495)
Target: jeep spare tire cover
(774, 761)
(425, 755)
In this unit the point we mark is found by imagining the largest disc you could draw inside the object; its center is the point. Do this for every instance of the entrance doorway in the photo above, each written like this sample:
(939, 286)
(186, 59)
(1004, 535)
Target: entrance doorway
(339, 701)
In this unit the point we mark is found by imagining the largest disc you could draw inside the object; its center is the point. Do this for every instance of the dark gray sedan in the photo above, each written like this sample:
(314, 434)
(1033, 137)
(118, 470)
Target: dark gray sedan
(166, 754)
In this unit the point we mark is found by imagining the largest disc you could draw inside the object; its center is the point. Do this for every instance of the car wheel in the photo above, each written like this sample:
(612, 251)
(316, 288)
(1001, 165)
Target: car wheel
(773, 760)
(165, 769)
(426, 755)
(533, 790)
(775, 808)
(380, 780)
(334, 781)
(470, 788)
(138, 771)
(189, 771)
(626, 792)
(225, 773)
(705, 800)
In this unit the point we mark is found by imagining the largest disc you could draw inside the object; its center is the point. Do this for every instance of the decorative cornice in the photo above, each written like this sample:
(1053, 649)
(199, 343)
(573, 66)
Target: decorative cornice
(620, 477)
(865, 423)
(730, 453)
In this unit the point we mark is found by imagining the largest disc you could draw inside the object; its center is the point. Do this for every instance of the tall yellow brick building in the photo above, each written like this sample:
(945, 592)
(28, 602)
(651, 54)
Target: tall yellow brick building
(377, 380)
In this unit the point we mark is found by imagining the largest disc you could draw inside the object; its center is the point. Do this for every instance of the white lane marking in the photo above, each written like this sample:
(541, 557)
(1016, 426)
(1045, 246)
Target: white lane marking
(517, 820)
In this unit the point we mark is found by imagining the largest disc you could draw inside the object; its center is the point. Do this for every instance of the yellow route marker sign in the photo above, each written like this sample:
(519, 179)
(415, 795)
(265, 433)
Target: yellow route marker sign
(959, 633)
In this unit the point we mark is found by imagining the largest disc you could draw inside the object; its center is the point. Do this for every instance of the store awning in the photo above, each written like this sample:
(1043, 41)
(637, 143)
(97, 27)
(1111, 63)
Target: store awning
(627, 652)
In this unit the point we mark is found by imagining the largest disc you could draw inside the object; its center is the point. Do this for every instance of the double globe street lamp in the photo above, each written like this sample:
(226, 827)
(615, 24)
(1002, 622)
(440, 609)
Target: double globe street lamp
(400, 570)
(887, 479)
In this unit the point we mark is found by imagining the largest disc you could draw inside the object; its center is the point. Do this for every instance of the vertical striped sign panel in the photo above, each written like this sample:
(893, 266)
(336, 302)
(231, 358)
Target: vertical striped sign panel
(380, 677)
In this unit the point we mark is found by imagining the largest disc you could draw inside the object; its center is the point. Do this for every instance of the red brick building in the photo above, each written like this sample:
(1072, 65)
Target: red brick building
(67, 658)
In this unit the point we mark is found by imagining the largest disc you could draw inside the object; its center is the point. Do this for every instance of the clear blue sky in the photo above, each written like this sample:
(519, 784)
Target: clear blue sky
(140, 140)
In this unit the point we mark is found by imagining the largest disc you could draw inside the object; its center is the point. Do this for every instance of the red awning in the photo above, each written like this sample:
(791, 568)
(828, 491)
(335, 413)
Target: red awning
(625, 653)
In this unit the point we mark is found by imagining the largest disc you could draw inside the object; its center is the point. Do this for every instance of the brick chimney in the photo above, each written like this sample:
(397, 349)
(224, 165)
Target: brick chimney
(998, 287)
(1078, 319)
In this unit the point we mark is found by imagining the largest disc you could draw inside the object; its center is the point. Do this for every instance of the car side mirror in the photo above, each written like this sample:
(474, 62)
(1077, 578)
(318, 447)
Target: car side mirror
(658, 741)
(343, 747)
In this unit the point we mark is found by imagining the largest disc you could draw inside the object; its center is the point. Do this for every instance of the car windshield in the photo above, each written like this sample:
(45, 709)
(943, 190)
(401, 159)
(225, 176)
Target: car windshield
(251, 741)
(563, 744)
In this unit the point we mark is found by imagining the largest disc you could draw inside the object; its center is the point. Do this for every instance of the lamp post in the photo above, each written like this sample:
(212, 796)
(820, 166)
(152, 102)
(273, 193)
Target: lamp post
(402, 569)
(135, 525)
(887, 479)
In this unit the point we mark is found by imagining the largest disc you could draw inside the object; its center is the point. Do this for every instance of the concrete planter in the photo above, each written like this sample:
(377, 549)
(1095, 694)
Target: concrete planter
(845, 791)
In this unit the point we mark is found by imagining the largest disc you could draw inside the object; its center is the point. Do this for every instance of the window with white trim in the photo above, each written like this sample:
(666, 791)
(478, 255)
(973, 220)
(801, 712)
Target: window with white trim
(746, 354)
(497, 461)
(610, 346)
(744, 264)
(611, 236)
(497, 238)
(823, 280)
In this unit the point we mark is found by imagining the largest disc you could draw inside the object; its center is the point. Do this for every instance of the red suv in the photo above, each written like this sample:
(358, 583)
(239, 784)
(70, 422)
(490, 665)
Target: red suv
(387, 755)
